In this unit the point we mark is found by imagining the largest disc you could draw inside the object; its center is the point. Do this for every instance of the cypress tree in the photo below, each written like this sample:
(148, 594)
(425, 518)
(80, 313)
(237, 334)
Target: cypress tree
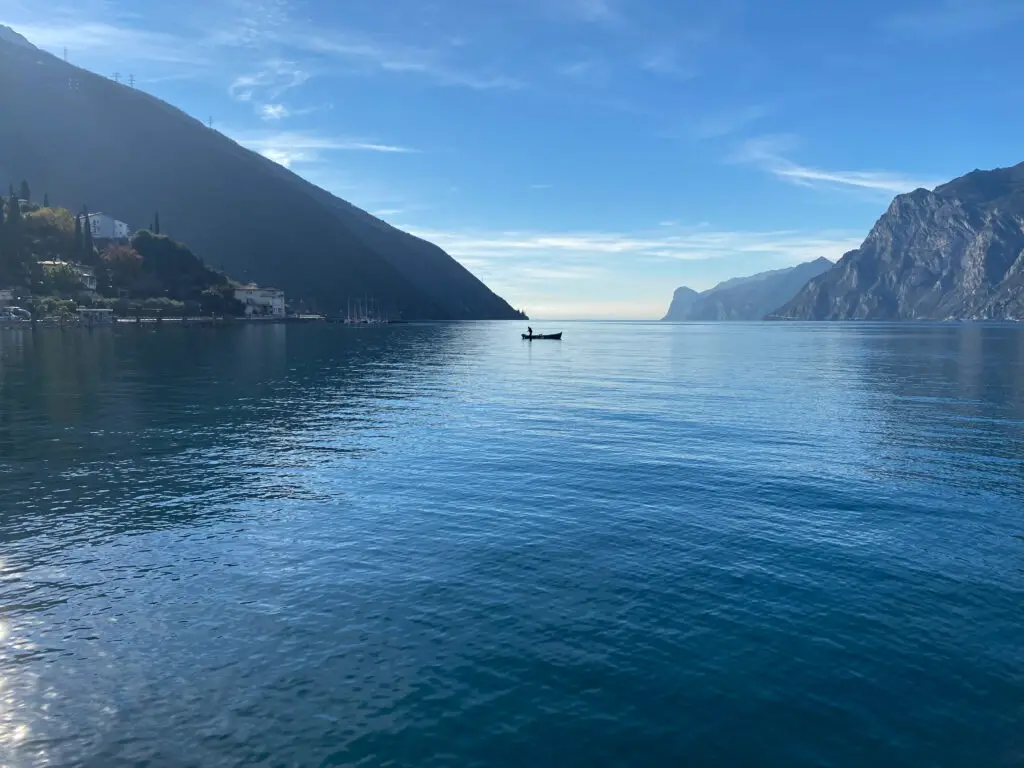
(46, 199)
(13, 214)
(13, 238)
(3, 243)
(26, 193)
(87, 245)
(79, 243)
(156, 223)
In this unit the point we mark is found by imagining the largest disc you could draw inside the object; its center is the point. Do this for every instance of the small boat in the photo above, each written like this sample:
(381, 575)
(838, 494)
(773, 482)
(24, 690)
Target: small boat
(551, 336)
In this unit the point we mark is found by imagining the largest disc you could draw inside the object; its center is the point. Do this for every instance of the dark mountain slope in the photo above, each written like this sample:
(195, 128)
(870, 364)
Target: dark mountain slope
(954, 253)
(746, 298)
(87, 140)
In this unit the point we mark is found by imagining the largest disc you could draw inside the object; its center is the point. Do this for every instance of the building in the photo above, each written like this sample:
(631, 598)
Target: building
(105, 227)
(6, 297)
(261, 301)
(86, 275)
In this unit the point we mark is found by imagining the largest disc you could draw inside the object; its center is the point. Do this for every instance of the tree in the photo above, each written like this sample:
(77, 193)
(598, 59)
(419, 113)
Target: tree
(104, 286)
(50, 232)
(79, 238)
(13, 211)
(88, 249)
(220, 300)
(171, 269)
(59, 219)
(3, 241)
(156, 223)
(26, 193)
(123, 265)
(13, 225)
(46, 199)
(63, 280)
(17, 259)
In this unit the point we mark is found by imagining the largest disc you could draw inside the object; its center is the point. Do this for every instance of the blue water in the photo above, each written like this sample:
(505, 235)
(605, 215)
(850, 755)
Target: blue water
(647, 545)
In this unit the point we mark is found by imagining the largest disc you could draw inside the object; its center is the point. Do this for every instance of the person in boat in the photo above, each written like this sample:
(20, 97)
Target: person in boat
(529, 331)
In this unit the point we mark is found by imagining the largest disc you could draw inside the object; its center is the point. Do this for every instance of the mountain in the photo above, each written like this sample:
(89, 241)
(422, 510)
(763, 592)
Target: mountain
(8, 35)
(956, 252)
(86, 140)
(682, 300)
(745, 298)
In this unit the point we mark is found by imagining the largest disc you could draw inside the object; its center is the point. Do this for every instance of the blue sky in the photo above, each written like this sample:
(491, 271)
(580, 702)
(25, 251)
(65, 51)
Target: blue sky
(586, 157)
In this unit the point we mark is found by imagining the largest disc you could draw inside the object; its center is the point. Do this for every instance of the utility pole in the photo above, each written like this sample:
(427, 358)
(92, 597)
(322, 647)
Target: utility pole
(209, 122)
(131, 81)
(117, 77)
(65, 54)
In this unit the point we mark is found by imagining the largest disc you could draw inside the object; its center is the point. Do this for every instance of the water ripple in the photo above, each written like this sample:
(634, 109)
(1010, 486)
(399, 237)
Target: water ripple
(647, 545)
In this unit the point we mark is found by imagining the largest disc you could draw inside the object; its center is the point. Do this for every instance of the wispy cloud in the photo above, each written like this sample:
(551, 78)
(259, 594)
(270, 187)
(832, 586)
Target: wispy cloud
(271, 112)
(291, 148)
(593, 11)
(400, 60)
(270, 82)
(954, 18)
(244, 23)
(237, 30)
(593, 72)
(716, 126)
(264, 88)
(698, 243)
(124, 42)
(665, 61)
(768, 153)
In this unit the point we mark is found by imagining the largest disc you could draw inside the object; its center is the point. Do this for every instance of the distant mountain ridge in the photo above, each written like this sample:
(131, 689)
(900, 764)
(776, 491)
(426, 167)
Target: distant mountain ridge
(89, 141)
(8, 35)
(953, 253)
(744, 298)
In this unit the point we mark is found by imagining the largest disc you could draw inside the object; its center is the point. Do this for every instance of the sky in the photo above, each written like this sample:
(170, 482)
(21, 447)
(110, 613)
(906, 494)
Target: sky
(586, 157)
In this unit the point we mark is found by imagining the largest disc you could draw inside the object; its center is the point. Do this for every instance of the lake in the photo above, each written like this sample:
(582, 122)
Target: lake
(646, 545)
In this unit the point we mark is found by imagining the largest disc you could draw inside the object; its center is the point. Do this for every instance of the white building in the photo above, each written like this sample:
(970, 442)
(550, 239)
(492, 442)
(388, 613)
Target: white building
(261, 301)
(105, 227)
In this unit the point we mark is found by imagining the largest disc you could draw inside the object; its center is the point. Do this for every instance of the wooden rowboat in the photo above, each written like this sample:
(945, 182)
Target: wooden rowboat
(540, 336)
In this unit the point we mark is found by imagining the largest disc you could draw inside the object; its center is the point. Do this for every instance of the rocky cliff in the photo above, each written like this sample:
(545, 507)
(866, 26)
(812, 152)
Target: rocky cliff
(745, 298)
(953, 253)
(682, 300)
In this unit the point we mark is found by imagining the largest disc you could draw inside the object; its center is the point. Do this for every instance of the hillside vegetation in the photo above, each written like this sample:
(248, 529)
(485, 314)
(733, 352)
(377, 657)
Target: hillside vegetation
(47, 253)
(118, 150)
